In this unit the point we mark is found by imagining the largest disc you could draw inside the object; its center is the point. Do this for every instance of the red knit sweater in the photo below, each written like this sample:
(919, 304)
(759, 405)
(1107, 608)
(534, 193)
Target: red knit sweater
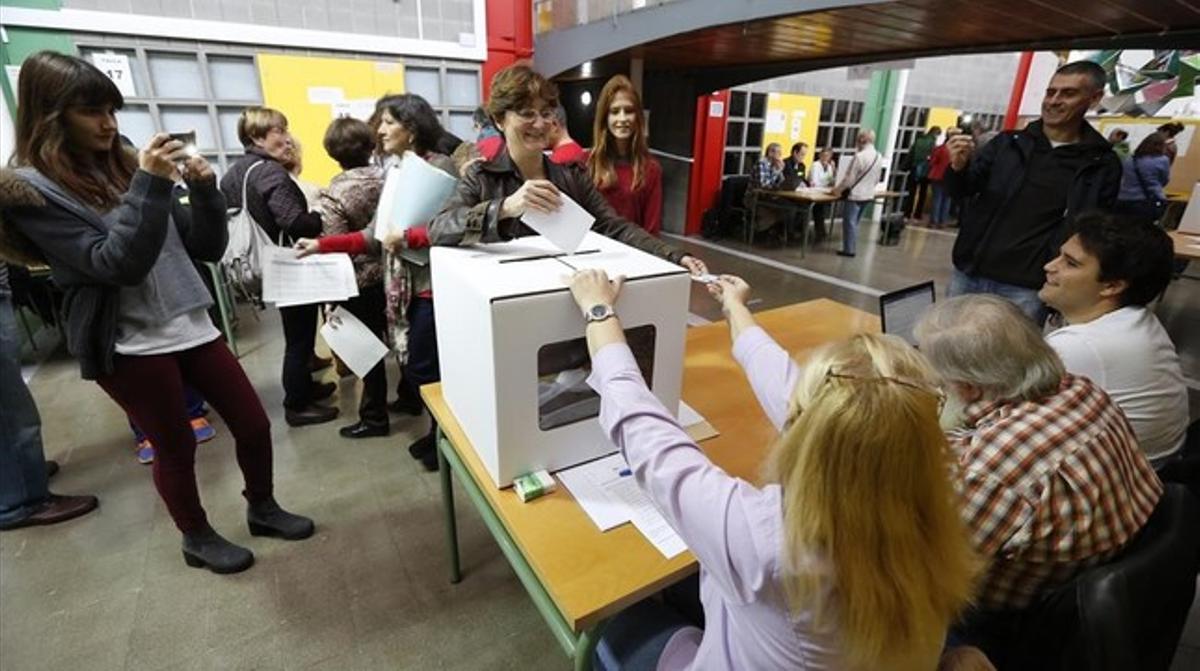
(644, 206)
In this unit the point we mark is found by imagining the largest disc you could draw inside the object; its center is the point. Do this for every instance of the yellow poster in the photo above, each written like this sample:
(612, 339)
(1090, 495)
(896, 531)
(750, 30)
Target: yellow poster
(792, 118)
(942, 117)
(311, 92)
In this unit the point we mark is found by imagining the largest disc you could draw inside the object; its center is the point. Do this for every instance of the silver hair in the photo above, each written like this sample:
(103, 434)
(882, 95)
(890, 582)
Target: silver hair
(866, 136)
(986, 341)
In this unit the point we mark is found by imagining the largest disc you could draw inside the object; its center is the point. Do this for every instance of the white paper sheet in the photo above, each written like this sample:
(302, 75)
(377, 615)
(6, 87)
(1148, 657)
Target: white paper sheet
(321, 278)
(1190, 222)
(352, 341)
(657, 530)
(688, 415)
(564, 227)
(418, 191)
(611, 499)
(588, 483)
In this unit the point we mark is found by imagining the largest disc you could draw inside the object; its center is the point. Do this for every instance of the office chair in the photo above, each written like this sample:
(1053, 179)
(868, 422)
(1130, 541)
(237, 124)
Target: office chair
(734, 213)
(1186, 469)
(1128, 613)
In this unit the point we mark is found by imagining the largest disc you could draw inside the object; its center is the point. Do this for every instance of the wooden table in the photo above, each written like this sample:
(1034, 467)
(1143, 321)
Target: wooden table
(1187, 246)
(578, 576)
(798, 199)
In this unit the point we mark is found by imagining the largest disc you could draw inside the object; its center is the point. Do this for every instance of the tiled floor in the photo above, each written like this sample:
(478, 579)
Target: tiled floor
(369, 591)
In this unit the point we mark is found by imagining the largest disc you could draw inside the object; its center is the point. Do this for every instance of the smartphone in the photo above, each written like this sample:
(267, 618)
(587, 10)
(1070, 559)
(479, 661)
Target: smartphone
(188, 138)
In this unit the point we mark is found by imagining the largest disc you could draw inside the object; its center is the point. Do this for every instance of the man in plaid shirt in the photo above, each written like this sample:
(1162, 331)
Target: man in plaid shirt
(768, 172)
(1051, 474)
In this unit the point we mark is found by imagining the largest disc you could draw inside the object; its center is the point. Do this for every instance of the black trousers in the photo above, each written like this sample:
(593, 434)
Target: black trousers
(422, 366)
(369, 306)
(299, 336)
(819, 212)
(914, 202)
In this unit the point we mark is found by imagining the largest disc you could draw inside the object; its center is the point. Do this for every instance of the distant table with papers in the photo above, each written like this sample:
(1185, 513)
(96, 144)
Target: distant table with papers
(579, 576)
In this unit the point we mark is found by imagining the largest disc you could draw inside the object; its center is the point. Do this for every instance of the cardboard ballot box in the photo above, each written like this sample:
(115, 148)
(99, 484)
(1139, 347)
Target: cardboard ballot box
(514, 359)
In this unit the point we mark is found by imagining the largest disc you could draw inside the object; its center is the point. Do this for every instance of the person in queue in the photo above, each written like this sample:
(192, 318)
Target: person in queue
(857, 186)
(279, 206)
(620, 164)
(563, 148)
(407, 123)
(788, 571)
(120, 246)
(1144, 179)
(1052, 480)
(348, 206)
(493, 195)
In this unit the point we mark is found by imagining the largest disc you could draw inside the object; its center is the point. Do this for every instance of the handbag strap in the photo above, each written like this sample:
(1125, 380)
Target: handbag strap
(864, 173)
(246, 181)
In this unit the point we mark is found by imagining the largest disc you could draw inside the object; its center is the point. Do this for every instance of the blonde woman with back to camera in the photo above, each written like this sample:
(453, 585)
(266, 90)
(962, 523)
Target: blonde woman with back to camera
(852, 555)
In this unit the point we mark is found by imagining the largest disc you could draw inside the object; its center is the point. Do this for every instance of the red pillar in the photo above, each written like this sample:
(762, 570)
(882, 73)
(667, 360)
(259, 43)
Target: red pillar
(1018, 90)
(708, 157)
(509, 37)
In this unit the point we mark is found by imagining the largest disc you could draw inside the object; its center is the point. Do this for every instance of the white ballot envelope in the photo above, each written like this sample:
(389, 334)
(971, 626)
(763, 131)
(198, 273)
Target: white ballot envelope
(412, 195)
(321, 278)
(565, 227)
(352, 341)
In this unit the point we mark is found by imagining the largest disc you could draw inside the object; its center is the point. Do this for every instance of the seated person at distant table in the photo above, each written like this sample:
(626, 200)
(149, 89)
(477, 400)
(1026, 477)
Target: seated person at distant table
(768, 172)
(768, 560)
(1100, 282)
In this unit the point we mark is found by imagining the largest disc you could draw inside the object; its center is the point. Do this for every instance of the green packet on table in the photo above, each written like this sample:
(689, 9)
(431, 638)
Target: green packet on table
(532, 485)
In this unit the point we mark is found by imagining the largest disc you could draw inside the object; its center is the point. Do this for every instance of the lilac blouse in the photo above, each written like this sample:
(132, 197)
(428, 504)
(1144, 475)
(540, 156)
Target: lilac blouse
(734, 529)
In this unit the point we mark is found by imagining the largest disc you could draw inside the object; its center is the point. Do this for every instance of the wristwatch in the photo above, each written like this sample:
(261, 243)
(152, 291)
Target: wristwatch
(598, 313)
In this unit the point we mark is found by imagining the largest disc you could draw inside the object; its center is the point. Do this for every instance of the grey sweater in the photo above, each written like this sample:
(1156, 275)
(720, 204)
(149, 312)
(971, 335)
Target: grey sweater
(131, 265)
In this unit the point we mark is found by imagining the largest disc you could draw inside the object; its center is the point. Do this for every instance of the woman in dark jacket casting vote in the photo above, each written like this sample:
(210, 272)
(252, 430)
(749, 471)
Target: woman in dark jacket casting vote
(492, 195)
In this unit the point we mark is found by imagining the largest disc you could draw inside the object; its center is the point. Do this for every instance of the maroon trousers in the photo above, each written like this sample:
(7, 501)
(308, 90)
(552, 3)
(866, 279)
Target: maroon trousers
(150, 390)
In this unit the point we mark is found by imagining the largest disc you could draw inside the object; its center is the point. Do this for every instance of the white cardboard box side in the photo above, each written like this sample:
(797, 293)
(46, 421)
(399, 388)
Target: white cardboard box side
(494, 317)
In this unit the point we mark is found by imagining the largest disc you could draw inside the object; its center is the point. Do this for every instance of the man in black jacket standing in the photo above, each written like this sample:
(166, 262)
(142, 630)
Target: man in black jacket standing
(1030, 183)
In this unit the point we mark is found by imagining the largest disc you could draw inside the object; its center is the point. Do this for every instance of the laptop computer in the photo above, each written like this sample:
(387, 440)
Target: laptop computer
(900, 310)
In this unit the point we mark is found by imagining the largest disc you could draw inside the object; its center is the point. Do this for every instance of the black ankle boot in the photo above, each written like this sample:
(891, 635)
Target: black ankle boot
(209, 549)
(266, 518)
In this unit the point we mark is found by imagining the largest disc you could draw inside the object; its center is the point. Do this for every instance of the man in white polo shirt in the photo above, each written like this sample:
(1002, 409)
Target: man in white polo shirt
(1100, 282)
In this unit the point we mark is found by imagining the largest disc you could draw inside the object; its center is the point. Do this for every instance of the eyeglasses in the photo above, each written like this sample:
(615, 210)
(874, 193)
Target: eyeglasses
(831, 375)
(531, 115)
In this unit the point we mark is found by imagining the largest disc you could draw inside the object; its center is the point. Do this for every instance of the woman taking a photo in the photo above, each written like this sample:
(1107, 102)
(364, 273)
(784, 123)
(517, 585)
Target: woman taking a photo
(136, 318)
(406, 123)
(851, 556)
(492, 196)
(620, 164)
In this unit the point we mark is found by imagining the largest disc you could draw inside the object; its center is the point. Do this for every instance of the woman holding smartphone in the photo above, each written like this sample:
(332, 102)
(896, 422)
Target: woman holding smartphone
(135, 308)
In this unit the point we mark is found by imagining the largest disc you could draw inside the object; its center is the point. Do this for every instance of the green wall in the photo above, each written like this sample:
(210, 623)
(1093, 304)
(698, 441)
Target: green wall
(21, 42)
